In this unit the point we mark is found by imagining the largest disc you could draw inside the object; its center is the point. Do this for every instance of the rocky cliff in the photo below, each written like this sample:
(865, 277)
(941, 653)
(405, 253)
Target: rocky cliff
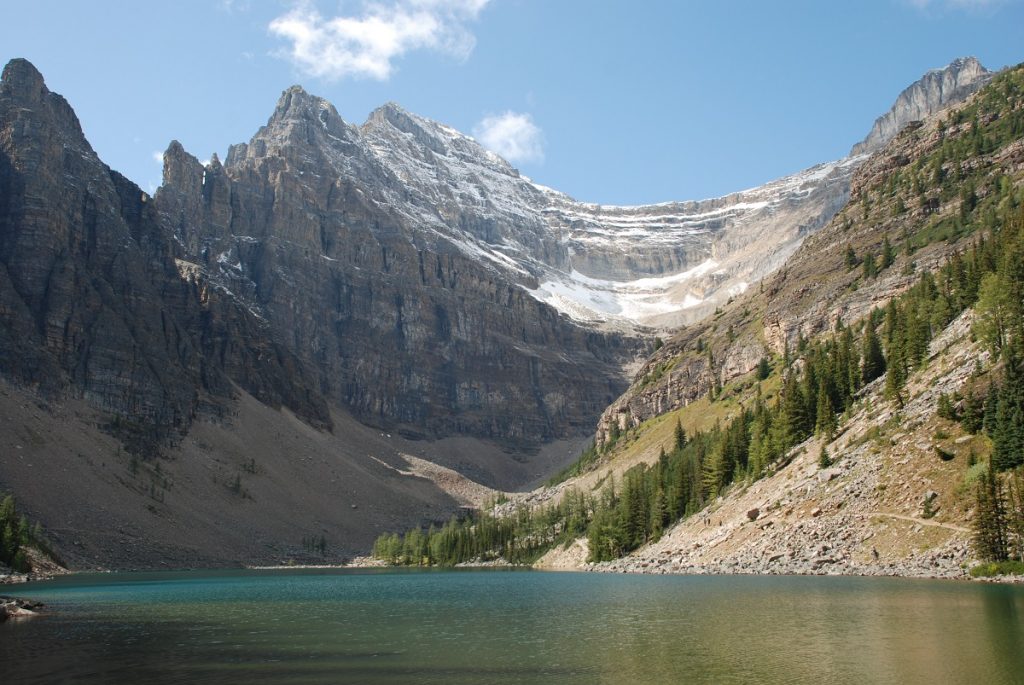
(91, 298)
(420, 277)
(384, 298)
(927, 95)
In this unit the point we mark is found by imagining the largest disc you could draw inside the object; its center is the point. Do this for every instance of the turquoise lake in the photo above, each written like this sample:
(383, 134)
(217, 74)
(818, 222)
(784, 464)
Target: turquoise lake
(370, 626)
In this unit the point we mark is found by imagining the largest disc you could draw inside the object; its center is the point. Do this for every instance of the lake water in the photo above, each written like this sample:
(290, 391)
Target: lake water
(512, 627)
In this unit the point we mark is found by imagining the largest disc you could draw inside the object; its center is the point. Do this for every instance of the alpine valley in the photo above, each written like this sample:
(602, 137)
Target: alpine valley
(342, 331)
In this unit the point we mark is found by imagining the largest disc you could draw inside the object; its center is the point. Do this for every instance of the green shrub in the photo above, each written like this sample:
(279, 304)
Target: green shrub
(998, 568)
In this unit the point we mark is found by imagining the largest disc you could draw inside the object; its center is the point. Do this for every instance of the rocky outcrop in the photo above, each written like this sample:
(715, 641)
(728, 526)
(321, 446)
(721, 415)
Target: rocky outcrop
(12, 607)
(935, 90)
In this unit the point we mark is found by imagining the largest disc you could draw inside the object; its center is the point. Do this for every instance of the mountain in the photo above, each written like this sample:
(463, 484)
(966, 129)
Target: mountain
(409, 233)
(384, 297)
(924, 97)
(273, 335)
(91, 296)
(835, 414)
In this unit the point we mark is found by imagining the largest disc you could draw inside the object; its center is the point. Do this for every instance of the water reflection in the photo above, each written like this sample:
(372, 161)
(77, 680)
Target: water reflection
(501, 627)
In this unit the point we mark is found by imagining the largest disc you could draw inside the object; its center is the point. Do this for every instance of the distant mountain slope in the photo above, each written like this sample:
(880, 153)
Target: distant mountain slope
(896, 492)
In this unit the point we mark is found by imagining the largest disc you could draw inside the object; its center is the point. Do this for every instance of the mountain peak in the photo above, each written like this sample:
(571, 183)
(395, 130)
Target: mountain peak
(21, 76)
(393, 114)
(23, 86)
(935, 90)
(961, 63)
(297, 104)
(393, 117)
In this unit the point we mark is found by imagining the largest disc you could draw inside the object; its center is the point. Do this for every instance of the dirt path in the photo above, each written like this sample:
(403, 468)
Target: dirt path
(923, 522)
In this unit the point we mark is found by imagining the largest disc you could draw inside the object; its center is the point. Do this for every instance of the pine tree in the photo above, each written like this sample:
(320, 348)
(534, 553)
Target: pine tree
(888, 255)
(1008, 424)
(895, 371)
(944, 408)
(871, 351)
(825, 424)
(795, 421)
(680, 436)
(850, 258)
(990, 519)
(971, 416)
(824, 460)
(870, 268)
(659, 514)
(992, 311)
(8, 513)
(763, 369)
(988, 421)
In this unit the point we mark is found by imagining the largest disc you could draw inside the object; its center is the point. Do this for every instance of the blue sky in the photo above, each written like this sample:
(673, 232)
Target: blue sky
(612, 101)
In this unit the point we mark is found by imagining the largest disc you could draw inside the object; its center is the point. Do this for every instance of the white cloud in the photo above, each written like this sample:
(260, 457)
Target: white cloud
(232, 6)
(955, 4)
(513, 135)
(366, 46)
(158, 157)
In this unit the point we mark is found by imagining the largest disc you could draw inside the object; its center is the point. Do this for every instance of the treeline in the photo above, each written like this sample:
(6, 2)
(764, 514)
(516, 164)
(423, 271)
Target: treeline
(517, 538)
(16, 535)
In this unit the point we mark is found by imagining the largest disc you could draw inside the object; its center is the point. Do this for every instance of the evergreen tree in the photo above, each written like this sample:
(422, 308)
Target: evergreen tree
(824, 460)
(825, 424)
(870, 267)
(850, 258)
(895, 371)
(992, 311)
(991, 408)
(795, 421)
(871, 351)
(971, 416)
(680, 436)
(1008, 428)
(659, 514)
(944, 408)
(990, 519)
(888, 255)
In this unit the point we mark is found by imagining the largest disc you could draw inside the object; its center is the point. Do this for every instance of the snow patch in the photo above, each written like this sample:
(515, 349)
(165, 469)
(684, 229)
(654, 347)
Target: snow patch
(591, 299)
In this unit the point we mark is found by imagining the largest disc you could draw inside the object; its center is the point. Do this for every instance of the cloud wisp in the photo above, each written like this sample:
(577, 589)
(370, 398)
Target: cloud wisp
(513, 135)
(368, 44)
(968, 5)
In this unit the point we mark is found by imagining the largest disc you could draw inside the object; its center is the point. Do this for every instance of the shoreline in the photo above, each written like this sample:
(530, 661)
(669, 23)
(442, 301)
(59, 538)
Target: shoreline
(624, 566)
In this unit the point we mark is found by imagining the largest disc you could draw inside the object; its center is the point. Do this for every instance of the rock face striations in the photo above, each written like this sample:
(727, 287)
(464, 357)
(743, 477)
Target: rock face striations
(91, 299)
(378, 284)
